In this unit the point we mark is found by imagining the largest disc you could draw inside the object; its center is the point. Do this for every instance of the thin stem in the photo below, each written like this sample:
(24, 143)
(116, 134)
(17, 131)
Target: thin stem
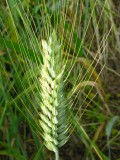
(108, 144)
(57, 154)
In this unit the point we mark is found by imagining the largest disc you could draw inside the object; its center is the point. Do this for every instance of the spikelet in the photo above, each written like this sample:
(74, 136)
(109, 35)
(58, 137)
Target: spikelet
(53, 115)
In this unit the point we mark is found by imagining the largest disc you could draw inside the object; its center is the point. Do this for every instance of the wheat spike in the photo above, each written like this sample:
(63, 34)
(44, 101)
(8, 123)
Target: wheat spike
(53, 115)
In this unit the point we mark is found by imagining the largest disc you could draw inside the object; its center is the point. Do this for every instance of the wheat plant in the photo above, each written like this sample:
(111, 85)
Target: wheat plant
(53, 110)
(53, 78)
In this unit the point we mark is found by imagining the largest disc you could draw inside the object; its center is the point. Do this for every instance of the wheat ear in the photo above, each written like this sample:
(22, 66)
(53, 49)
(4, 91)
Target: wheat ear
(53, 115)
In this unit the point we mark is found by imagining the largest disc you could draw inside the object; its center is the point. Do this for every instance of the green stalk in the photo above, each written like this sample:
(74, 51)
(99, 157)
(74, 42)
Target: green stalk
(57, 154)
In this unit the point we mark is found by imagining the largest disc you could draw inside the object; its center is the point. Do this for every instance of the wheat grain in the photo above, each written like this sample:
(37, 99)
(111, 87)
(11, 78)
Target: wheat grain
(53, 115)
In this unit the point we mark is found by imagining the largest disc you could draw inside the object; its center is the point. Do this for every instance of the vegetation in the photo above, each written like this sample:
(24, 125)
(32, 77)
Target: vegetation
(59, 79)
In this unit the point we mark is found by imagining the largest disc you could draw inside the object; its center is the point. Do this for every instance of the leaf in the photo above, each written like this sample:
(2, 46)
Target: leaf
(18, 48)
(110, 125)
(11, 152)
(85, 138)
(59, 5)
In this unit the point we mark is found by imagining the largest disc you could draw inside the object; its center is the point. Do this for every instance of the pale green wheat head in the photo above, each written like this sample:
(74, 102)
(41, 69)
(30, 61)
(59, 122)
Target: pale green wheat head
(53, 115)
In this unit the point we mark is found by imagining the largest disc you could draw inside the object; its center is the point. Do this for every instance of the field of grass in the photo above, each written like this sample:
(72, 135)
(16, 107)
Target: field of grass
(60, 68)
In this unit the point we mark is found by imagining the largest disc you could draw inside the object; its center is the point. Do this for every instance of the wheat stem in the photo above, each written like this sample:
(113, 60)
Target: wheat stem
(57, 154)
